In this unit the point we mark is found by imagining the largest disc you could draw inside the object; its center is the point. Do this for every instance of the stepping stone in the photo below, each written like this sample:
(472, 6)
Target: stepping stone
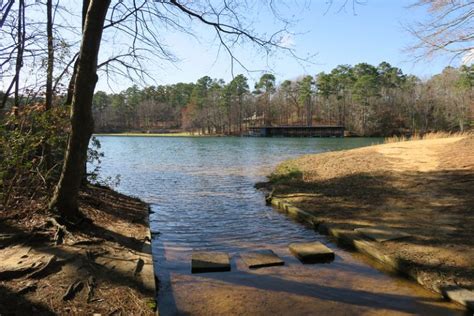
(260, 259)
(203, 261)
(312, 252)
(460, 295)
(381, 234)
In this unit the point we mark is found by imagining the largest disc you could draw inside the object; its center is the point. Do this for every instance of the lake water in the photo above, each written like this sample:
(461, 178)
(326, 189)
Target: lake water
(201, 191)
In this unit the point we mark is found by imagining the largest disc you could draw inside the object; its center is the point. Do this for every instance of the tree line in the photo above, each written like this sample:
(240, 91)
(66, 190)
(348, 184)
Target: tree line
(367, 100)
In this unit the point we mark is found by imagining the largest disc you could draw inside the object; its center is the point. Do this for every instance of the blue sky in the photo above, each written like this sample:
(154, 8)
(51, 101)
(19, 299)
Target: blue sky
(373, 33)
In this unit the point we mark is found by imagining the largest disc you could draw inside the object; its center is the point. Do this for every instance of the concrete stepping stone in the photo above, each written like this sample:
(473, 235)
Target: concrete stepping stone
(312, 252)
(381, 234)
(261, 258)
(209, 261)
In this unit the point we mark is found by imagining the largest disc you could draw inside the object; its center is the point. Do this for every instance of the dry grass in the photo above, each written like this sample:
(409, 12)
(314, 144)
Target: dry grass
(431, 135)
(425, 188)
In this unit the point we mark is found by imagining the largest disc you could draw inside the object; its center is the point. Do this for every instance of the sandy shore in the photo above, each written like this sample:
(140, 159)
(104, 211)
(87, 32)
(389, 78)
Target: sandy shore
(102, 265)
(424, 188)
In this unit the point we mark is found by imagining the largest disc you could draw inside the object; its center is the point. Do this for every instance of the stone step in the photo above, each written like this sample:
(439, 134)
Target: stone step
(381, 233)
(312, 252)
(261, 258)
(209, 261)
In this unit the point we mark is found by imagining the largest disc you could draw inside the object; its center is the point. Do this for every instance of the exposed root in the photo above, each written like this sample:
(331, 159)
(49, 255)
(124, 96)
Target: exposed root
(72, 290)
(43, 270)
(61, 231)
(91, 284)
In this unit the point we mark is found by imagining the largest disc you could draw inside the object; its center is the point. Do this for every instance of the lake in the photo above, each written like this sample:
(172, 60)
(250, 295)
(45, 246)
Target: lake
(201, 191)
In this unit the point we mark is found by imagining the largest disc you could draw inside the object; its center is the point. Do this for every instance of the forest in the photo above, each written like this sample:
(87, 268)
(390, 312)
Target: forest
(367, 100)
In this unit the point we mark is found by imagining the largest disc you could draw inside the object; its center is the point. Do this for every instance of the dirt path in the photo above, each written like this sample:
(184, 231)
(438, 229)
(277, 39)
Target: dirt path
(410, 156)
(424, 188)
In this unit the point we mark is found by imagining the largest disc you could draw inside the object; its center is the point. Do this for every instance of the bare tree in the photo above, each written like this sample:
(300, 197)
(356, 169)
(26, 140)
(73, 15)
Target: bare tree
(19, 47)
(138, 20)
(448, 31)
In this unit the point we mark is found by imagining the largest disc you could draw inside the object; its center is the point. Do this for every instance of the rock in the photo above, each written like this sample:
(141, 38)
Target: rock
(19, 260)
(203, 261)
(460, 295)
(381, 234)
(262, 258)
(312, 252)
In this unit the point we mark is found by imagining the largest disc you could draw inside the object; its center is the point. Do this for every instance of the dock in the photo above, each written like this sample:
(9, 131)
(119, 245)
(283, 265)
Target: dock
(297, 131)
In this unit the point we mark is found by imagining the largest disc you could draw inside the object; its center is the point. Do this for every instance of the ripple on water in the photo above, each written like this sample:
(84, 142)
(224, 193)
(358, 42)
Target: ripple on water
(202, 195)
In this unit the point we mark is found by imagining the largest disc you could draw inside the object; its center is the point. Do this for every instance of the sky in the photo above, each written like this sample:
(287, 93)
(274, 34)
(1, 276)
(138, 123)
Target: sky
(324, 35)
(372, 32)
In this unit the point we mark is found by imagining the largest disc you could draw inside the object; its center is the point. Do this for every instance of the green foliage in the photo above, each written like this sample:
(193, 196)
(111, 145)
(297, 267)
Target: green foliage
(32, 146)
(286, 173)
(266, 84)
(33, 141)
(305, 89)
(466, 78)
(200, 91)
(239, 86)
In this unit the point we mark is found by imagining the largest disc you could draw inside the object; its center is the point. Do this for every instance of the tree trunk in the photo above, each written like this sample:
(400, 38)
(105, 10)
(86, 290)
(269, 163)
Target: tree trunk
(49, 75)
(65, 196)
(21, 47)
(240, 115)
(49, 72)
(70, 87)
(309, 115)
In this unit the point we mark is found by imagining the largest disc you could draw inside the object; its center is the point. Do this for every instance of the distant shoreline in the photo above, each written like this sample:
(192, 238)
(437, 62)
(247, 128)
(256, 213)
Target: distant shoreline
(186, 134)
(182, 134)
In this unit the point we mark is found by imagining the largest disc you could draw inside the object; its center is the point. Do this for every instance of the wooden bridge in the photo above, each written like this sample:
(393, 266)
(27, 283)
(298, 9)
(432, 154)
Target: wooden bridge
(297, 131)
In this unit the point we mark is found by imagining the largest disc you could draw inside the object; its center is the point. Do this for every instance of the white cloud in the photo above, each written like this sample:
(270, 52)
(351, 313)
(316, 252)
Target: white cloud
(468, 57)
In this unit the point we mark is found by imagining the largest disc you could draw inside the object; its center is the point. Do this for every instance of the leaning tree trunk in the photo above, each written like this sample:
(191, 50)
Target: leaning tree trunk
(65, 195)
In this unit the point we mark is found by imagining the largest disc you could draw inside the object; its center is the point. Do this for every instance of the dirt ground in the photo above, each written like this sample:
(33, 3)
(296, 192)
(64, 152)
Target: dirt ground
(102, 265)
(422, 187)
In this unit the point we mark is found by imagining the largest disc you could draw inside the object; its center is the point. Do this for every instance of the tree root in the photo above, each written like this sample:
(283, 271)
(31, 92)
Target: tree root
(72, 290)
(91, 284)
(139, 267)
(43, 269)
(61, 231)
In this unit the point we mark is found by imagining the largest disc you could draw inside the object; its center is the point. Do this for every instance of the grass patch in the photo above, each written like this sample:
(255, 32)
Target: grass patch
(286, 172)
(432, 135)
